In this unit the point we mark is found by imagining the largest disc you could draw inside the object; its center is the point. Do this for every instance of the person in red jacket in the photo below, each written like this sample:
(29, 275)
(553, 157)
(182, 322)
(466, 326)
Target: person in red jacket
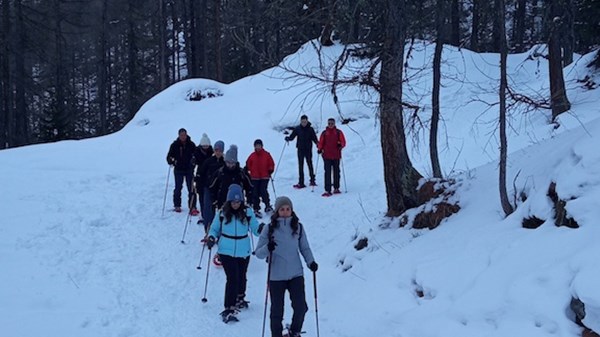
(330, 146)
(260, 166)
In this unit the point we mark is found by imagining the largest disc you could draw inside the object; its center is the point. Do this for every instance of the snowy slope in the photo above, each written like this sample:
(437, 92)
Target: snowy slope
(85, 252)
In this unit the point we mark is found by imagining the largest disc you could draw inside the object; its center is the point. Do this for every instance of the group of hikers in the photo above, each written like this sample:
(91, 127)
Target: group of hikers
(230, 197)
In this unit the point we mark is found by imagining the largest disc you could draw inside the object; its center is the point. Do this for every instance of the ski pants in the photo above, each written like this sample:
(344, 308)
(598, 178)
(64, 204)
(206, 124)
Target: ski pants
(189, 182)
(235, 270)
(260, 191)
(277, 290)
(332, 165)
(305, 155)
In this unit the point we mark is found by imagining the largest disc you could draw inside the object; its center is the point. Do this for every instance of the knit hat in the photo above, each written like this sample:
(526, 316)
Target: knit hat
(234, 193)
(181, 130)
(258, 142)
(282, 201)
(204, 141)
(219, 145)
(231, 154)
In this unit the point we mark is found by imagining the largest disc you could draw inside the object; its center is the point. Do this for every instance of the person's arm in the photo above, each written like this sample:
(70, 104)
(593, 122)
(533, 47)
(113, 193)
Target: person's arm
(262, 251)
(215, 226)
(342, 140)
(313, 136)
(253, 223)
(171, 156)
(292, 135)
(271, 164)
(305, 247)
(321, 143)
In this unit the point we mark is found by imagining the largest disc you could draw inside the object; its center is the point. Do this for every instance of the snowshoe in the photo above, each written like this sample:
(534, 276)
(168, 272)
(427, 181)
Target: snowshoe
(177, 209)
(312, 183)
(194, 212)
(299, 186)
(217, 261)
(242, 304)
(228, 315)
(326, 194)
(337, 191)
(200, 221)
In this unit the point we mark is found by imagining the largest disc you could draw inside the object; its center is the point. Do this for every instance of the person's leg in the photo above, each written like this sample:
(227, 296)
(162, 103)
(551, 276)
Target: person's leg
(256, 194)
(298, 298)
(300, 168)
(336, 174)
(264, 192)
(208, 212)
(311, 171)
(277, 292)
(328, 165)
(243, 267)
(178, 186)
(231, 268)
(189, 182)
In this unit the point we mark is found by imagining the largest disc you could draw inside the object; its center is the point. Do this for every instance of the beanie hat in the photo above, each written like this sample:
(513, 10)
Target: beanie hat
(181, 130)
(234, 193)
(219, 145)
(204, 141)
(257, 142)
(282, 201)
(304, 117)
(231, 154)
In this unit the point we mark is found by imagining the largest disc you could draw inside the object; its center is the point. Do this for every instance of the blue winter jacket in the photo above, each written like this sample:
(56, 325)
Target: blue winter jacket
(233, 236)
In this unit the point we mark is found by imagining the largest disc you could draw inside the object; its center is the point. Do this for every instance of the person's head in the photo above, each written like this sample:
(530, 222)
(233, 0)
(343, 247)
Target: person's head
(231, 156)
(284, 207)
(235, 197)
(219, 148)
(205, 141)
(331, 123)
(182, 134)
(258, 144)
(304, 120)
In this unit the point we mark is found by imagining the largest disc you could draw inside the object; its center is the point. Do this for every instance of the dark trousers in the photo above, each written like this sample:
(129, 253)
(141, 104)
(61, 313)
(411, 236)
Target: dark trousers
(277, 290)
(332, 165)
(199, 195)
(305, 155)
(208, 210)
(235, 270)
(260, 191)
(189, 178)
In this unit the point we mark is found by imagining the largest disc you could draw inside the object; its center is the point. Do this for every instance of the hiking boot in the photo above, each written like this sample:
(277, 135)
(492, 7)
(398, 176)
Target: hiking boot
(313, 183)
(337, 191)
(326, 194)
(242, 304)
(228, 315)
(177, 209)
(299, 186)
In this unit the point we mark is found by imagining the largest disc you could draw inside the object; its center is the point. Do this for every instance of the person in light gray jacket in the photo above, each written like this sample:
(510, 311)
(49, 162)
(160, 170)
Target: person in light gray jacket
(281, 243)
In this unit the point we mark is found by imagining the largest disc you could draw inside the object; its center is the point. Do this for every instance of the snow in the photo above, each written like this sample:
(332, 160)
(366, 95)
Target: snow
(85, 251)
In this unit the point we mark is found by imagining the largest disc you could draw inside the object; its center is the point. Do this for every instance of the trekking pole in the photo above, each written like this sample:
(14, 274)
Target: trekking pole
(189, 216)
(251, 237)
(166, 189)
(344, 175)
(316, 170)
(316, 308)
(201, 256)
(273, 185)
(204, 300)
(267, 293)
(279, 161)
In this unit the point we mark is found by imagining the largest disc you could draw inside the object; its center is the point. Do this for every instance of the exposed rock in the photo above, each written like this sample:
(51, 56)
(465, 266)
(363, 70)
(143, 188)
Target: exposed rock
(361, 244)
(433, 219)
(532, 222)
(561, 218)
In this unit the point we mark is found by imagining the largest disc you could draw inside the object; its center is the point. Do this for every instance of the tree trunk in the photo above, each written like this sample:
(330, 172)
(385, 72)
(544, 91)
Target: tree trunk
(5, 79)
(162, 46)
(455, 22)
(217, 42)
(519, 26)
(506, 206)
(401, 178)
(567, 32)
(475, 25)
(21, 110)
(558, 93)
(102, 80)
(435, 95)
(132, 64)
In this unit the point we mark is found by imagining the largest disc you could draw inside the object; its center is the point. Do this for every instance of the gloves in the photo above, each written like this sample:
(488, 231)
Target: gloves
(211, 242)
(313, 266)
(171, 161)
(271, 245)
(270, 172)
(260, 227)
(287, 139)
(339, 145)
(319, 151)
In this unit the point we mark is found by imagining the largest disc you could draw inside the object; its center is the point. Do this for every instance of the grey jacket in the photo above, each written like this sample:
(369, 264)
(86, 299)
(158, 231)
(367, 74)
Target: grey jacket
(286, 263)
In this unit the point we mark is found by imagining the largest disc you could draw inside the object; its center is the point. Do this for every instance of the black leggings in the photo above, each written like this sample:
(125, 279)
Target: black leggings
(235, 270)
(277, 290)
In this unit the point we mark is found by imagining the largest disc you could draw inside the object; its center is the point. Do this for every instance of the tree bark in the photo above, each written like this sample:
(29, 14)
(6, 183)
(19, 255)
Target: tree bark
(475, 25)
(217, 42)
(455, 22)
(506, 206)
(558, 93)
(435, 95)
(162, 46)
(401, 178)
(132, 63)
(102, 73)
(519, 26)
(5, 78)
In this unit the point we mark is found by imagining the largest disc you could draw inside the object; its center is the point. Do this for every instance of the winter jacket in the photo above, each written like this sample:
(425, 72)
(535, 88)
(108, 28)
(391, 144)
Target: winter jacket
(182, 153)
(233, 236)
(331, 142)
(200, 156)
(285, 264)
(225, 177)
(260, 164)
(306, 137)
(208, 171)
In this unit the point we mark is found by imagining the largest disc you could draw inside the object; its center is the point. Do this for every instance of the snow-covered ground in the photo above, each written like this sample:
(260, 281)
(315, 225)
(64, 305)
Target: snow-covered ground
(84, 250)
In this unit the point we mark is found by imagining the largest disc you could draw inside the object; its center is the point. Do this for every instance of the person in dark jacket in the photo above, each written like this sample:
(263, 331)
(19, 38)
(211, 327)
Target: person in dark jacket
(232, 228)
(208, 171)
(202, 153)
(331, 143)
(306, 137)
(282, 243)
(181, 155)
(260, 166)
(229, 174)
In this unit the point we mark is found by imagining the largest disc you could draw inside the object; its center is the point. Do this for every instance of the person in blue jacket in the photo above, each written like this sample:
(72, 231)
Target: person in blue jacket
(282, 243)
(231, 228)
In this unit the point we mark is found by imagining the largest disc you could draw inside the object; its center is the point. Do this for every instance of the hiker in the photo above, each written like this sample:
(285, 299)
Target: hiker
(230, 173)
(181, 153)
(281, 243)
(306, 137)
(231, 229)
(202, 153)
(208, 171)
(260, 166)
(330, 146)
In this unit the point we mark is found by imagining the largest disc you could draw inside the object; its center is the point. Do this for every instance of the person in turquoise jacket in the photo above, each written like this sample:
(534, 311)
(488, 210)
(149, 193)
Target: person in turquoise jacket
(232, 227)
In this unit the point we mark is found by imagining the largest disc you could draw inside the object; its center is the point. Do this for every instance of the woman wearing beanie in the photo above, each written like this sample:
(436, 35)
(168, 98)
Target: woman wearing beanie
(231, 228)
(283, 242)
(230, 173)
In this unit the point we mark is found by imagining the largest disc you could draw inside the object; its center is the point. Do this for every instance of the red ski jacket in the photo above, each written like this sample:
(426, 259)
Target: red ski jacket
(331, 143)
(260, 164)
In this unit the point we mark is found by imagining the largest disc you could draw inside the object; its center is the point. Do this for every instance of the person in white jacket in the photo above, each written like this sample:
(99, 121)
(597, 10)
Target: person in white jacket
(282, 242)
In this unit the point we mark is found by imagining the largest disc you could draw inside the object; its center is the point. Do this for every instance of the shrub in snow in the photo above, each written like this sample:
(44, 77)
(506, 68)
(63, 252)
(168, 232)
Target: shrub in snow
(200, 94)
